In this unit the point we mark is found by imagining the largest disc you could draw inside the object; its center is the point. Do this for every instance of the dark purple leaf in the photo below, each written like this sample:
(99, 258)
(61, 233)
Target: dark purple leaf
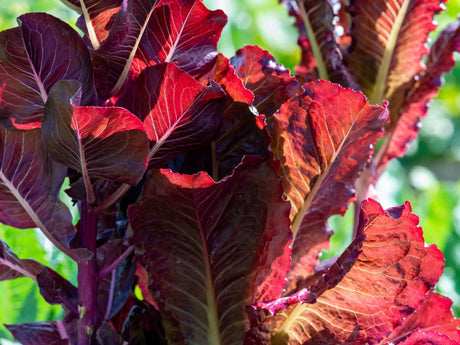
(99, 142)
(183, 32)
(57, 290)
(106, 335)
(226, 246)
(12, 267)
(112, 60)
(323, 139)
(179, 113)
(36, 55)
(29, 187)
(39, 333)
(271, 83)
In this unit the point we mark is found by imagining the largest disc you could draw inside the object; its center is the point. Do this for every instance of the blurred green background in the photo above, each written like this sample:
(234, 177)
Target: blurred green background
(428, 175)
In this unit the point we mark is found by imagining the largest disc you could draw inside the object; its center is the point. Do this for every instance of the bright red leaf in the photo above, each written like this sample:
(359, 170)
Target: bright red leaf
(387, 281)
(323, 138)
(271, 83)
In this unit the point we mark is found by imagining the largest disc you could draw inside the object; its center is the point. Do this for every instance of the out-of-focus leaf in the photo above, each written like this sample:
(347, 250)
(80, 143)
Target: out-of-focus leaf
(223, 73)
(321, 56)
(12, 267)
(57, 290)
(99, 142)
(42, 51)
(385, 283)
(440, 61)
(183, 32)
(323, 137)
(106, 335)
(431, 337)
(434, 315)
(113, 59)
(39, 333)
(179, 113)
(271, 83)
(388, 43)
(29, 187)
(228, 245)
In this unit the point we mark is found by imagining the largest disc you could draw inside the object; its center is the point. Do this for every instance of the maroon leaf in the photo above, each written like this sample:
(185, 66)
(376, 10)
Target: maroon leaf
(271, 83)
(388, 43)
(57, 290)
(179, 113)
(99, 142)
(434, 315)
(113, 59)
(385, 283)
(440, 61)
(106, 335)
(29, 187)
(239, 136)
(227, 246)
(223, 73)
(42, 51)
(96, 17)
(12, 267)
(39, 333)
(183, 32)
(323, 138)
(321, 56)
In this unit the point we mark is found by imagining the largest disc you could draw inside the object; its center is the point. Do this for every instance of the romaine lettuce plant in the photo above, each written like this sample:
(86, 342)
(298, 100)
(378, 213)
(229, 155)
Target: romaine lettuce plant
(208, 183)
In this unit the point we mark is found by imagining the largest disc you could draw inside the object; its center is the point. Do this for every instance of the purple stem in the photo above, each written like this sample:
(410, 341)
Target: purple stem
(87, 276)
(106, 270)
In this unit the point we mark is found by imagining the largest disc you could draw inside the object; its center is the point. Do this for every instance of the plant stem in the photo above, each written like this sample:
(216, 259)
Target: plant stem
(87, 276)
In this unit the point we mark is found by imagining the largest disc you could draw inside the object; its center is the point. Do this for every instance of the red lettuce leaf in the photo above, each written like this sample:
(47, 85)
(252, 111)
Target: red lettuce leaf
(112, 60)
(323, 138)
(183, 32)
(39, 333)
(223, 73)
(240, 136)
(99, 142)
(106, 335)
(12, 267)
(388, 43)
(434, 315)
(271, 83)
(179, 113)
(321, 56)
(57, 290)
(228, 245)
(431, 337)
(385, 283)
(440, 61)
(42, 51)
(96, 17)
(29, 187)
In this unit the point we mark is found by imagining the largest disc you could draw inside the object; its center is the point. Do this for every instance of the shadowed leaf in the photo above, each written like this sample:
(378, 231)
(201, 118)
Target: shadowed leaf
(36, 55)
(227, 246)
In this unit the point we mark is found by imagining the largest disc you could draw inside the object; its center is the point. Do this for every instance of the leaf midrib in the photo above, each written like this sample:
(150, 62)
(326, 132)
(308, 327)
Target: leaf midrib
(378, 91)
